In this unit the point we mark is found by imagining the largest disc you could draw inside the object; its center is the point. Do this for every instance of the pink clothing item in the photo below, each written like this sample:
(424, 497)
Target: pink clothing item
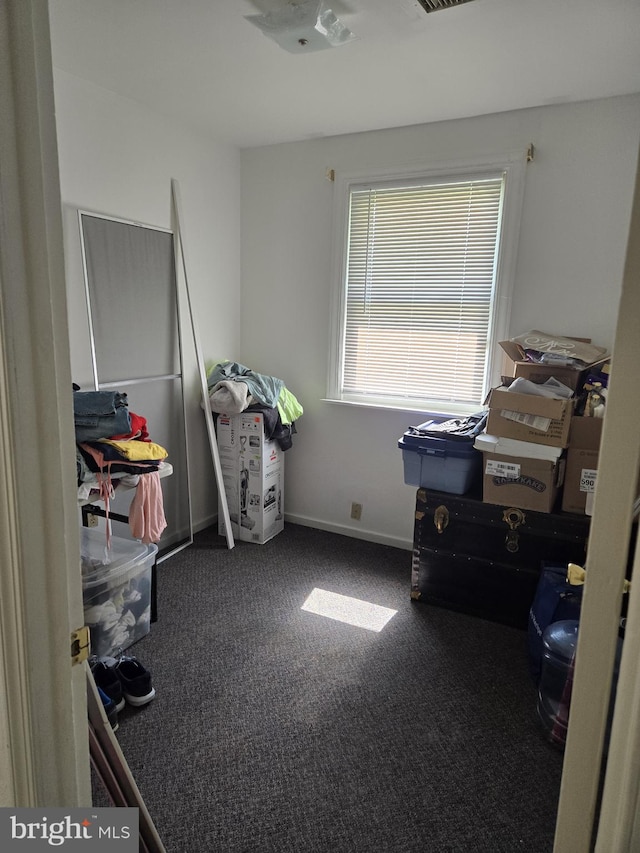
(146, 513)
(103, 477)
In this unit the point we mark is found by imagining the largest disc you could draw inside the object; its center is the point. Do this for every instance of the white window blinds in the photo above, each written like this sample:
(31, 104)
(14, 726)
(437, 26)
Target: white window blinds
(420, 283)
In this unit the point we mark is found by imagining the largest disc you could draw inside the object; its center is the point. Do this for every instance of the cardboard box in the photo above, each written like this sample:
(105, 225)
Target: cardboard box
(253, 477)
(527, 417)
(569, 376)
(580, 349)
(573, 377)
(582, 465)
(521, 482)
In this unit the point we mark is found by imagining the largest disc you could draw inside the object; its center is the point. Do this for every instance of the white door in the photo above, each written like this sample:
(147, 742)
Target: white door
(44, 758)
(43, 724)
(617, 488)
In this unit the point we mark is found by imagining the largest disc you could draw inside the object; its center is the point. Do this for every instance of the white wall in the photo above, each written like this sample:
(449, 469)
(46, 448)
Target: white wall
(118, 158)
(575, 222)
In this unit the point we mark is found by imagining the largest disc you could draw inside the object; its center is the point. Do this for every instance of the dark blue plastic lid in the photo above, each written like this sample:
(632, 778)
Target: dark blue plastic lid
(430, 446)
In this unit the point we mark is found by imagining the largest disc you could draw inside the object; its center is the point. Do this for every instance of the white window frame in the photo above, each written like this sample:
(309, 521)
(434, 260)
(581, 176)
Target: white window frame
(512, 165)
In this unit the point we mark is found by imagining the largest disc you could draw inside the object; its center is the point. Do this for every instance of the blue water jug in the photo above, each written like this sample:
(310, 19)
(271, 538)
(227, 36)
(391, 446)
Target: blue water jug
(559, 642)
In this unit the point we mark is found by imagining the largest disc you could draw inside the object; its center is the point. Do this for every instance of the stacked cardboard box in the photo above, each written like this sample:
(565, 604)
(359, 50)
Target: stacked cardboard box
(524, 463)
(527, 417)
(535, 446)
(582, 465)
(253, 475)
(570, 374)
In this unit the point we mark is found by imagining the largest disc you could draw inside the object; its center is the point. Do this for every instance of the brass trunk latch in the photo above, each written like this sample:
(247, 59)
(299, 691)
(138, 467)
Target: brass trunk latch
(514, 518)
(441, 518)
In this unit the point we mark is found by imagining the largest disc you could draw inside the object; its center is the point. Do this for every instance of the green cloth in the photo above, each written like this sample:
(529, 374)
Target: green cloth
(289, 408)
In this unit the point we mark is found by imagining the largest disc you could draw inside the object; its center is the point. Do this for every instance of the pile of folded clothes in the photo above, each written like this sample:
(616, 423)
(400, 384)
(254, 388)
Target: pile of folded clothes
(113, 443)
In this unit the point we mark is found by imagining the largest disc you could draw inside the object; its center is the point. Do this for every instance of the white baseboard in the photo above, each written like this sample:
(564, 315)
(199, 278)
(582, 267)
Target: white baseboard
(204, 523)
(341, 529)
(353, 532)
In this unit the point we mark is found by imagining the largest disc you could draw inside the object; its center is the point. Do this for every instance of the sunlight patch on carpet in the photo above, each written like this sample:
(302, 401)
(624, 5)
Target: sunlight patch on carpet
(344, 608)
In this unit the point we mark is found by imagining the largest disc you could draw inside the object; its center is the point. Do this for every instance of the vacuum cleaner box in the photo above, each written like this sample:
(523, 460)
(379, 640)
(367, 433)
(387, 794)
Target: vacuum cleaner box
(253, 476)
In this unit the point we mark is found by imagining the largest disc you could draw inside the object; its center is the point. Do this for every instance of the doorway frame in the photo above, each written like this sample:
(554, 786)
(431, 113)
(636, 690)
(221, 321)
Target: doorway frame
(44, 750)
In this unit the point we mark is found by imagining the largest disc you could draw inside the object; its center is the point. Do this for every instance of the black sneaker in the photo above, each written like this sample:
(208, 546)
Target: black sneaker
(106, 679)
(109, 709)
(135, 680)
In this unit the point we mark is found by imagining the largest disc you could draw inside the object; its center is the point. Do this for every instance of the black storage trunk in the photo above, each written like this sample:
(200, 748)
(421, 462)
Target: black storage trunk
(484, 559)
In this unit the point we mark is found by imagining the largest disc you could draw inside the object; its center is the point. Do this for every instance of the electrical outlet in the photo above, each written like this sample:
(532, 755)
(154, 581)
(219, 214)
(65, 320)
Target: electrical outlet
(356, 511)
(92, 520)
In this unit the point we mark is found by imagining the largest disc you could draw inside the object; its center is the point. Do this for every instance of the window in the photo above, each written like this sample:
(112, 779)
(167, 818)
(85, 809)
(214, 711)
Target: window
(424, 294)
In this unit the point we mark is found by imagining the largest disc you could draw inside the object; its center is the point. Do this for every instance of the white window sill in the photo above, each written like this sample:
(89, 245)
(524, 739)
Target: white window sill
(448, 410)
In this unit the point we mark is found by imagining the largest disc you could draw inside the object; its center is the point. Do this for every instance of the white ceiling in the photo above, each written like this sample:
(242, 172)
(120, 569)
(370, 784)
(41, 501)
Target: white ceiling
(201, 62)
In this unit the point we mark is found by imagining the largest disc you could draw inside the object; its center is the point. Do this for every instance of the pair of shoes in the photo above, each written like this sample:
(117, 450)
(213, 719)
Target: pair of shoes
(123, 679)
(107, 681)
(110, 709)
(135, 680)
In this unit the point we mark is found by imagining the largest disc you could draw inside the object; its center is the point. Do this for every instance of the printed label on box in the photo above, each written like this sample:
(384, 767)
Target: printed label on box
(588, 480)
(531, 421)
(509, 470)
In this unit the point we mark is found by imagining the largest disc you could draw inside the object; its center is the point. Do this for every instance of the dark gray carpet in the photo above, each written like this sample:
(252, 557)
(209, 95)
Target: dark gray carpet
(279, 731)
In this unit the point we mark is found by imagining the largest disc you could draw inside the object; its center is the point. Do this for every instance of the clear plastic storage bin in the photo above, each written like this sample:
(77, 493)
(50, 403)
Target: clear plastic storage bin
(116, 588)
